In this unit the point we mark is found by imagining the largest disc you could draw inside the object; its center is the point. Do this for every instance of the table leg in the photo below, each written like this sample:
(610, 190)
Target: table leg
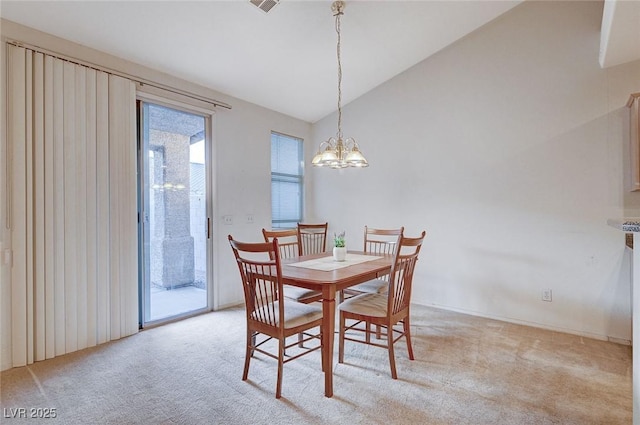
(328, 330)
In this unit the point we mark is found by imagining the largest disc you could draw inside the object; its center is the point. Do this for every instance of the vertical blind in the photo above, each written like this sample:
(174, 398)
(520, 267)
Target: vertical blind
(286, 180)
(73, 205)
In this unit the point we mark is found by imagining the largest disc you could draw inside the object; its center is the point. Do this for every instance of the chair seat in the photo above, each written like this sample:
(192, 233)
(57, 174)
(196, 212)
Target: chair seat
(374, 286)
(374, 305)
(295, 313)
(299, 294)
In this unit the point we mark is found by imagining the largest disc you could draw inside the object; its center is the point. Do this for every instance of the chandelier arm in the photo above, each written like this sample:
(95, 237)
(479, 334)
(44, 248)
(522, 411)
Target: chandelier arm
(330, 142)
(349, 143)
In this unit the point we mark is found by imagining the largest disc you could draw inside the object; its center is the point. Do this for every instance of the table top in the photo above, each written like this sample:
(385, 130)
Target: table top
(343, 275)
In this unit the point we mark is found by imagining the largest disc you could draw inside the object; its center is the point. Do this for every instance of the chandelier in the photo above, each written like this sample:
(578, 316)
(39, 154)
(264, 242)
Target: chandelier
(335, 152)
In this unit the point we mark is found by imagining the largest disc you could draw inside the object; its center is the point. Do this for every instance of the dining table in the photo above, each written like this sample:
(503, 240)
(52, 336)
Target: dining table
(320, 272)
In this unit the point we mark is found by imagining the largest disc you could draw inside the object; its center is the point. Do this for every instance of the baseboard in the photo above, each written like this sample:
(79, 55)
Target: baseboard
(620, 341)
(229, 305)
(615, 340)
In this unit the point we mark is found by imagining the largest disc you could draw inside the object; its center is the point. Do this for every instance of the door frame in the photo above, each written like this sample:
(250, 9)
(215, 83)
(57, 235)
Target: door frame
(191, 106)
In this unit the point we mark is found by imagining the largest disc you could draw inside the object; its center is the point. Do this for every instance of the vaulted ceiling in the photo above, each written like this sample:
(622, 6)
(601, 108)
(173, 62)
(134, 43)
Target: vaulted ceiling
(284, 60)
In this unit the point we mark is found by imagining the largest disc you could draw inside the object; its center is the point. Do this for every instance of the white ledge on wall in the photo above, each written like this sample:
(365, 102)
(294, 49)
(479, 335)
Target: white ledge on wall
(632, 225)
(625, 224)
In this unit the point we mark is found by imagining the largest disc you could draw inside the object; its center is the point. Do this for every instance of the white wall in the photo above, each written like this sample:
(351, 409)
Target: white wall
(242, 150)
(509, 149)
(243, 140)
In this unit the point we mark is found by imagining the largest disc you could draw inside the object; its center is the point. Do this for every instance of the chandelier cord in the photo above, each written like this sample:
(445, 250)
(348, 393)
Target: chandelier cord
(339, 135)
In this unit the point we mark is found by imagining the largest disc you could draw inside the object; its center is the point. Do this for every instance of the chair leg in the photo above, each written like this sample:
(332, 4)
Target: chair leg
(341, 338)
(249, 352)
(378, 331)
(367, 332)
(392, 357)
(407, 335)
(280, 364)
(300, 338)
(321, 350)
(254, 336)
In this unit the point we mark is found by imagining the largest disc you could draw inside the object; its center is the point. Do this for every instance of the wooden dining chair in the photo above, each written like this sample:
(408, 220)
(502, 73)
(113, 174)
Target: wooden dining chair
(376, 241)
(386, 310)
(289, 243)
(268, 314)
(313, 238)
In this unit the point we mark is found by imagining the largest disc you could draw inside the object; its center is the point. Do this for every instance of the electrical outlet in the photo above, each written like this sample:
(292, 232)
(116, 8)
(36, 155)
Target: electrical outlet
(546, 295)
(249, 218)
(227, 219)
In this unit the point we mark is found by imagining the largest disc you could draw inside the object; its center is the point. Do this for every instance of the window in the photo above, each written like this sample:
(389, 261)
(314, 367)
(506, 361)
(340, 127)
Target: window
(286, 180)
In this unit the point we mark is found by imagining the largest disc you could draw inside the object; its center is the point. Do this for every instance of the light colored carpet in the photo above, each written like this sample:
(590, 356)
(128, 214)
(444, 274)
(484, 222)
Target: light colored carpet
(467, 370)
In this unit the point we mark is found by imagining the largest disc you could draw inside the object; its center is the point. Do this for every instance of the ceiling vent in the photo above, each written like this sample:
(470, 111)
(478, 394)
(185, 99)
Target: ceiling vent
(265, 5)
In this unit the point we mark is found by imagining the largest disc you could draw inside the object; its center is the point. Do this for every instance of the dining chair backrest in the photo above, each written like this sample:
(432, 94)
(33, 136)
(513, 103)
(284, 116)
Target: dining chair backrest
(312, 238)
(381, 241)
(261, 280)
(405, 260)
(287, 241)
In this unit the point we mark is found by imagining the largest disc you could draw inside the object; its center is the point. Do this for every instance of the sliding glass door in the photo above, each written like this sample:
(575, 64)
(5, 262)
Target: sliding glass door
(174, 228)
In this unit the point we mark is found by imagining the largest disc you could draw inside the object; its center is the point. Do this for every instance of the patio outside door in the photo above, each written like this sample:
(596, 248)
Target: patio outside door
(173, 212)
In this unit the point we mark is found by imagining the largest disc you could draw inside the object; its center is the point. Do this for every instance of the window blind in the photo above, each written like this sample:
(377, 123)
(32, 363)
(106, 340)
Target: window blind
(286, 180)
(73, 206)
